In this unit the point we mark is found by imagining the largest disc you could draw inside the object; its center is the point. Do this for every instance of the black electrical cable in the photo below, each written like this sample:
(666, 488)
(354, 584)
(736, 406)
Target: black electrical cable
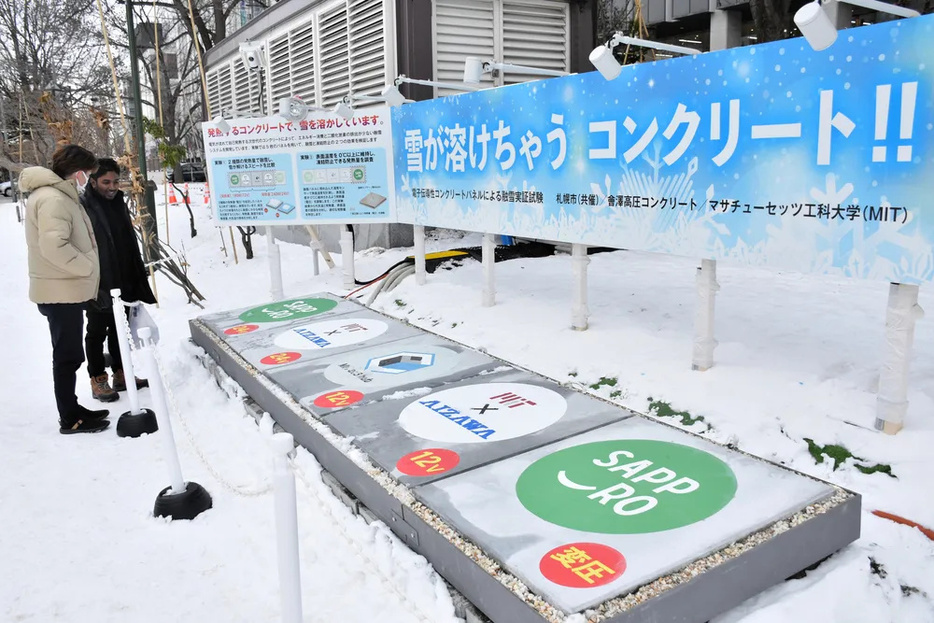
(389, 270)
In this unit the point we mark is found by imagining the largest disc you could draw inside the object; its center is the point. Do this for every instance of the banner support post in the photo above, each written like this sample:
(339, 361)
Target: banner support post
(900, 317)
(275, 265)
(347, 256)
(704, 342)
(579, 310)
(418, 234)
(488, 260)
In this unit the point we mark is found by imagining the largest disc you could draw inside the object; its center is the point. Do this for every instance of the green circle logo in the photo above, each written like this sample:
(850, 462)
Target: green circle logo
(626, 486)
(234, 180)
(358, 174)
(288, 310)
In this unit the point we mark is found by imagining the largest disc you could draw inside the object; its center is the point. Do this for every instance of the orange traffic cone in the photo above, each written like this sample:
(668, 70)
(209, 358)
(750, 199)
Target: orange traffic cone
(172, 198)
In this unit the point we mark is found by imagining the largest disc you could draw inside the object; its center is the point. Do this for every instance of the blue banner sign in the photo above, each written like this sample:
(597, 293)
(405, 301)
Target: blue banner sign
(772, 155)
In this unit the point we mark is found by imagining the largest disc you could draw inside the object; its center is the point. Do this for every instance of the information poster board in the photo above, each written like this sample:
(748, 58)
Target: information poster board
(772, 154)
(325, 169)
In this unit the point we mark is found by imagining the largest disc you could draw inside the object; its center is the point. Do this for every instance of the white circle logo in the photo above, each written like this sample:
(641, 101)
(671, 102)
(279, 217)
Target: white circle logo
(487, 412)
(331, 333)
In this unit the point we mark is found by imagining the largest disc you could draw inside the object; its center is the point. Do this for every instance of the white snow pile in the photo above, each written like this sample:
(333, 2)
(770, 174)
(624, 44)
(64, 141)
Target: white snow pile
(798, 359)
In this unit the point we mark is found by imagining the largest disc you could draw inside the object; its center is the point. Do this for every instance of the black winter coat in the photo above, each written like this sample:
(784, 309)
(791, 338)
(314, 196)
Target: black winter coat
(121, 264)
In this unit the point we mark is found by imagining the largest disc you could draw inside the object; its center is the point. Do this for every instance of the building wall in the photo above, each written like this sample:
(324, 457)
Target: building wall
(326, 49)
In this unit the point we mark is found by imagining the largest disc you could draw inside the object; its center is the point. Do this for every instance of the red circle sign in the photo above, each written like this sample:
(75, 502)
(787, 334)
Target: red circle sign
(582, 565)
(240, 329)
(340, 398)
(428, 462)
(279, 358)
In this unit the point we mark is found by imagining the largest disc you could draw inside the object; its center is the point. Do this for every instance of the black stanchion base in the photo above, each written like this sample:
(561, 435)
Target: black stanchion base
(135, 424)
(186, 505)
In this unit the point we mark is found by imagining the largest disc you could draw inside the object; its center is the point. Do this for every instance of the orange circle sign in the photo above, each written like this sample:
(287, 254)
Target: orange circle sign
(429, 462)
(582, 565)
(340, 398)
(240, 329)
(279, 358)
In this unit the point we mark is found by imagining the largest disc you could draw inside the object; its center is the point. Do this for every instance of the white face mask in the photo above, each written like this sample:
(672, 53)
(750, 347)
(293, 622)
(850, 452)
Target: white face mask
(81, 178)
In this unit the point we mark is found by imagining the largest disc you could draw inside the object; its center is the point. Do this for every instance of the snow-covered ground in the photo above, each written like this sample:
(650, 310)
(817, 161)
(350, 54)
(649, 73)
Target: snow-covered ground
(798, 358)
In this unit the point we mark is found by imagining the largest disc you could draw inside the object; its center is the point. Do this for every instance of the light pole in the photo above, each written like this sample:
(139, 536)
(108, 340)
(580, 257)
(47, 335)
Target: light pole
(148, 222)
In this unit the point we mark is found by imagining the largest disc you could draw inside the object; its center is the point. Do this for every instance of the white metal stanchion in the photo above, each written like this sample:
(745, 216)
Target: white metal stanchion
(275, 266)
(136, 421)
(347, 257)
(290, 581)
(902, 313)
(488, 251)
(119, 311)
(704, 342)
(180, 500)
(579, 312)
(170, 454)
(418, 234)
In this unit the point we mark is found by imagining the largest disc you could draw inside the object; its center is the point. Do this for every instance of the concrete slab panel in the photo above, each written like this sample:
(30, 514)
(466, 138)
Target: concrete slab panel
(304, 336)
(597, 515)
(326, 385)
(240, 326)
(512, 478)
(421, 437)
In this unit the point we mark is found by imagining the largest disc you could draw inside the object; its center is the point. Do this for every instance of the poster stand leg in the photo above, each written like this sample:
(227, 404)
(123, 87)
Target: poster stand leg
(275, 266)
(418, 234)
(704, 342)
(347, 257)
(318, 247)
(489, 286)
(579, 311)
(900, 317)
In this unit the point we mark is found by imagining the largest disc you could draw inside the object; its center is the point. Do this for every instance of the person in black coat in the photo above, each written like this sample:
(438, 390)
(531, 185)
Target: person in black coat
(121, 267)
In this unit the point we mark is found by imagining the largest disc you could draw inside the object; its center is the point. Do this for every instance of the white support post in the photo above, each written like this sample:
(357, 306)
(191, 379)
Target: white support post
(347, 257)
(275, 266)
(120, 322)
(157, 389)
(418, 234)
(489, 261)
(902, 313)
(317, 246)
(704, 342)
(290, 579)
(579, 311)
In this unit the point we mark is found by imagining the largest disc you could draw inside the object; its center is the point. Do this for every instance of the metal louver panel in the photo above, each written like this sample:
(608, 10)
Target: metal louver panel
(225, 91)
(462, 28)
(535, 34)
(213, 92)
(334, 61)
(302, 53)
(241, 91)
(367, 46)
(280, 84)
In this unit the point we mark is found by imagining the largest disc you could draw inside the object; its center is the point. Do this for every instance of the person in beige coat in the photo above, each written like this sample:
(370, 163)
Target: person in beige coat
(64, 272)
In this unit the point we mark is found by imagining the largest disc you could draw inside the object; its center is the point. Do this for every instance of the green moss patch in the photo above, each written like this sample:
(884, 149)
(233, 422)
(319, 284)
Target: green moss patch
(839, 454)
(605, 381)
(660, 408)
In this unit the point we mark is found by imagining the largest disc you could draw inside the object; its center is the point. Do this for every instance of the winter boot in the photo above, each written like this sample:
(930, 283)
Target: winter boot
(82, 426)
(101, 389)
(120, 381)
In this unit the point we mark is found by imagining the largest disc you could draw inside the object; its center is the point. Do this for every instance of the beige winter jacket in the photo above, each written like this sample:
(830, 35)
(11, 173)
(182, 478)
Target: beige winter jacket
(63, 263)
